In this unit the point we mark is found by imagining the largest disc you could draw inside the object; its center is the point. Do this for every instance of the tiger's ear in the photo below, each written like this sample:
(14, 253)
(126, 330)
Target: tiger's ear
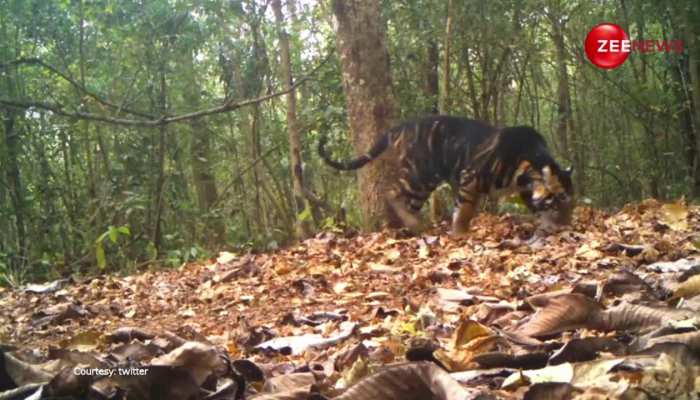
(568, 170)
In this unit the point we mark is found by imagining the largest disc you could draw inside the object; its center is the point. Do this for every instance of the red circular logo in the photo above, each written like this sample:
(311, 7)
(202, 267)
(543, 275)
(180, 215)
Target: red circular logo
(607, 45)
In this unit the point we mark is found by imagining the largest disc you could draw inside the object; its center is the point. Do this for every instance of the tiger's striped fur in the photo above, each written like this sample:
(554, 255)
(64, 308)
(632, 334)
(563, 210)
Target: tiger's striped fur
(475, 159)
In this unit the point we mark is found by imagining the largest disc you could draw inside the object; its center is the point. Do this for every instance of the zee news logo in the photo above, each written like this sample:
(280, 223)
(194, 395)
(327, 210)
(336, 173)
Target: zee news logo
(608, 46)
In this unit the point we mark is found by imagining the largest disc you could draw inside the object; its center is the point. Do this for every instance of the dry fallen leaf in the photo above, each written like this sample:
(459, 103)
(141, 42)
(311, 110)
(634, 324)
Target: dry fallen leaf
(509, 297)
(560, 313)
(199, 359)
(688, 288)
(84, 341)
(675, 215)
(586, 252)
(408, 381)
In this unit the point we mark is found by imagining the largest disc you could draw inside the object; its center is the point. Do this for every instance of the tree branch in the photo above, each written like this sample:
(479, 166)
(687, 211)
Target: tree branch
(317, 201)
(244, 171)
(228, 105)
(81, 88)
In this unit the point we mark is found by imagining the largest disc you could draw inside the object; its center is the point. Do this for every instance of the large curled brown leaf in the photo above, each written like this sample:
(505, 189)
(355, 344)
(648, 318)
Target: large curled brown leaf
(626, 316)
(560, 313)
(408, 381)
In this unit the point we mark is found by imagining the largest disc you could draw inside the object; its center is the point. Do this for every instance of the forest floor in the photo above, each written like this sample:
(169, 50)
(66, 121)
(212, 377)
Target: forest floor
(608, 307)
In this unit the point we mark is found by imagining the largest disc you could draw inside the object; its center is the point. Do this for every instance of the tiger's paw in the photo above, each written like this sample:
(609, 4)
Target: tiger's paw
(460, 221)
(459, 232)
(460, 228)
(416, 225)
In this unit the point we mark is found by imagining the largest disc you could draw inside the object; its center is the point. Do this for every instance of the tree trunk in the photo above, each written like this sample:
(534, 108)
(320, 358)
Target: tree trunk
(691, 34)
(471, 85)
(445, 92)
(565, 124)
(261, 214)
(200, 159)
(686, 89)
(10, 161)
(104, 156)
(156, 234)
(12, 146)
(431, 90)
(302, 227)
(45, 195)
(68, 197)
(563, 95)
(364, 59)
(93, 205)
(432, 78)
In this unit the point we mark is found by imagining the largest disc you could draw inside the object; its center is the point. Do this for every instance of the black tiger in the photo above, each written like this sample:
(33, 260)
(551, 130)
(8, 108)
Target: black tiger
(475, 159)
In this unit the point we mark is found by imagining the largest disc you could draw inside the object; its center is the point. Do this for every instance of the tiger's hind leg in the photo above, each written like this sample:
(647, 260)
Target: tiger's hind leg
(439, 202)
(467, 199)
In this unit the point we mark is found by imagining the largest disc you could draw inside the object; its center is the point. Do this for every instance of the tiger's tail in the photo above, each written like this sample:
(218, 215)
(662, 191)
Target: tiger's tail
(377, 149)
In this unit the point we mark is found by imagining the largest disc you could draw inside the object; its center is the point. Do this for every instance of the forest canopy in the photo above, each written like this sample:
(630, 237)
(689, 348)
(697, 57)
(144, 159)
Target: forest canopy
(157, 132)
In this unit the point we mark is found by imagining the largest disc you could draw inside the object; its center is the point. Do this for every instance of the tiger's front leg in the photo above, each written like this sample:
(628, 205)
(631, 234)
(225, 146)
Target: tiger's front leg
(467, 199)
(406, 207)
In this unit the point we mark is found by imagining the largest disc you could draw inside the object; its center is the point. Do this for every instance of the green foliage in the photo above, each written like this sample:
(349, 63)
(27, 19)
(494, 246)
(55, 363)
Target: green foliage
(113, 234)
(331, 224)
(305, 215)
(513, 205)
(178, 257)
(7, 277)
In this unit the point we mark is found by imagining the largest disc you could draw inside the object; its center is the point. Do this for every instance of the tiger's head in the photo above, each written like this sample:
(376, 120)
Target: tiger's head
(547, 191)
(518, 159)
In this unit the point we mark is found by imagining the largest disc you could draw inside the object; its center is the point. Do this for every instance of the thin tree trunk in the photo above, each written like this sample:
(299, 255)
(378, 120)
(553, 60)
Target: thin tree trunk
(563, 95)
(262, 66)
(302, 225)
(14, 179)
(471, 84)
(364, 60)
(68, 197)
(93, 199)
(432, 77)
(238, 181)
(444, 105)
(691, 35)
(484, 52)
(259, 206)
(431, 90)
(45, 195)
(104, 154)
(156, 234)
(565, 121)
(13, 148)
(200, 161)
(280, 202)
(244, 126)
